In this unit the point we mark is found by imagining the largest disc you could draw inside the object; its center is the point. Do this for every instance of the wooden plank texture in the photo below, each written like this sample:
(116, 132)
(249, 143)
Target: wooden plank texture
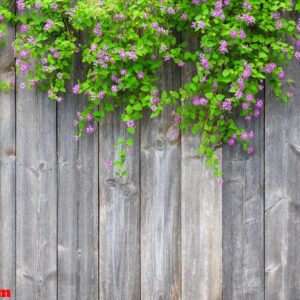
(201, 222)
(282, 213)
(77, 206)
(160, 206)
(36, 197)
(243, 218)
(7, 168)
(119, 235)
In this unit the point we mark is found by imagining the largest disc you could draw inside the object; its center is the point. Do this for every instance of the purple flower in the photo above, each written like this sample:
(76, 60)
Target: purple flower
(233, 34)
(108, 164)
(114, 88)
(245, 105)
(122, 54)
(250, 150)
(256, 113)
(101, 95)
(167, 58)
(241, 83)
(89, 117)
(226, 105)
(276, 16)
(251, 134)
(25, 67)
(22, 85)
(24, 28)
(247, 18)
(76, 89)
(90, 129)
(23, 54)
(48, 25)
(123, 72)
(38, 5)
(20, 5)
(199, 101)
(140, 75)
(244, 136)
(279, 24)
(248, 118)
(132, 55)
(184, 16)
(281, 75)
(97, 30)
(231, 141)
(223, 47)
(270, 68)
(242, 34)
(32, 83)
(239, 94)
(56, 54)
(250, 97)
(204, 61)
(247, 5)
(130, 124)
(259, 103)
(181, 64)
(115, 79)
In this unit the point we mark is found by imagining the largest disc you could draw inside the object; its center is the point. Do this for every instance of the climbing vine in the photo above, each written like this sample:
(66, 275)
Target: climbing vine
(122, 45)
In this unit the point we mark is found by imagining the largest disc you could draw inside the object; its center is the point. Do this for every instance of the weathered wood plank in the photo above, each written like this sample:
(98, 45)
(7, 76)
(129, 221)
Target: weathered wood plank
(282, 213)
(243, 219)
(36, 198)
(119, 236)
(7, 168)
(201, 208)
(77, 206)
(160, 206)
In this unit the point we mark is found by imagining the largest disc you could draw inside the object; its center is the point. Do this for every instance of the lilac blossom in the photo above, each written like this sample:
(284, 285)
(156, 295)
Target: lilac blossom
(140, 75)
(76, 89)
(199, 101)
(48, 25)
(226, 105)
(223, 47)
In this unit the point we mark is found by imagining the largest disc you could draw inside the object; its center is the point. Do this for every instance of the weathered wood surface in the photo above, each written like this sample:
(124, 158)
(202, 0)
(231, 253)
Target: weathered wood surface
(119, 235)
(160, 202)
(282, 212)
(201, 218)
(77, 206)
(36, 199)
(243, 218)
(7, 168)
(71, 229)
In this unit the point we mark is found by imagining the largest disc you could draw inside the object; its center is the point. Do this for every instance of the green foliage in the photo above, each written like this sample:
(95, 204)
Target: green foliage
(241, 43)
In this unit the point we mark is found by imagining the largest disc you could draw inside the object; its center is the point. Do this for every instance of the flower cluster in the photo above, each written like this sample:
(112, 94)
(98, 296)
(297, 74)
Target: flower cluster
(241, 43)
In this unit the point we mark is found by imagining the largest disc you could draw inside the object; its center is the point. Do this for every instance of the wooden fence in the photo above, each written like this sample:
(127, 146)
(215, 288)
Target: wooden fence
(71, 230)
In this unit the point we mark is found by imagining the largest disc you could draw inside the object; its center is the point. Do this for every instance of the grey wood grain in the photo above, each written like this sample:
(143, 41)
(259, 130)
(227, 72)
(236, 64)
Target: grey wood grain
(119, 236)
(36, 197)
(160, 206)
(243, 218)
(7, 168)
(201, 209)
(77, 205)
(282, 213)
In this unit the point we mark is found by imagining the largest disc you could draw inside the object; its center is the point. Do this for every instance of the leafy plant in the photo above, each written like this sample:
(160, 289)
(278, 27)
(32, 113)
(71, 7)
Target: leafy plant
(241, 43)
